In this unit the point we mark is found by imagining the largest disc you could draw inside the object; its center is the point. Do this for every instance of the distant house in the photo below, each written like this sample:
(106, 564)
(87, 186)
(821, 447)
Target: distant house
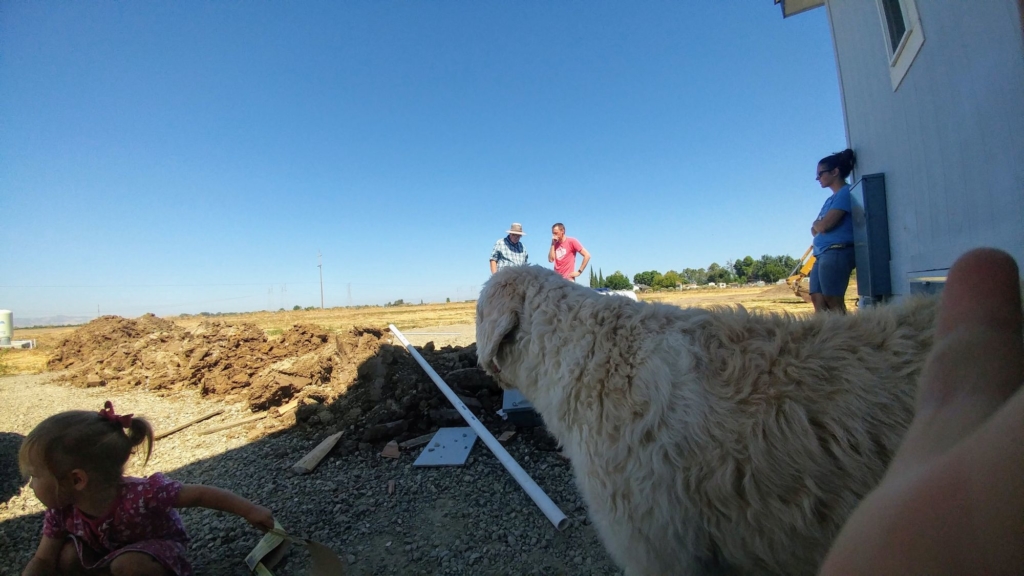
(933, 100)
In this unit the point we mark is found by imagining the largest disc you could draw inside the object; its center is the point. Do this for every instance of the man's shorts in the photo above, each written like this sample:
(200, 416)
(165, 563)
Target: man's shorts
(831, 272)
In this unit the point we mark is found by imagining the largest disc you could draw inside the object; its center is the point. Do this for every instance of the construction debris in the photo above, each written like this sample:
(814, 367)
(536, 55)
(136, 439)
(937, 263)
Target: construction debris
(416, 442)
(506, 436)
(234, 424)
(187, 424)
(449, 447)
(309, 461)
(391, 450)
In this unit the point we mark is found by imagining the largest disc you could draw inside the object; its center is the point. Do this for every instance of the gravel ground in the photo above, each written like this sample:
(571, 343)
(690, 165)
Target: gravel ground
(466, 520)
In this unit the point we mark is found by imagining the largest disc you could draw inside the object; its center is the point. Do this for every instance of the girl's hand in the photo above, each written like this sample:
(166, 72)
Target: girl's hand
(261, 518)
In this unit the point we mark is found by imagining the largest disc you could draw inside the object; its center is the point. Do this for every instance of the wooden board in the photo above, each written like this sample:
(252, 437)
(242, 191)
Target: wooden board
(310, 461)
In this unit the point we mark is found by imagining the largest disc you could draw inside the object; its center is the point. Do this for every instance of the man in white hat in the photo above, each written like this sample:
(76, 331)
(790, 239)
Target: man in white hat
(509, 251)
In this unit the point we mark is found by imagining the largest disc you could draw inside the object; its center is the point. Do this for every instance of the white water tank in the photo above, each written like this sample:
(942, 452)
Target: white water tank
(6, 327)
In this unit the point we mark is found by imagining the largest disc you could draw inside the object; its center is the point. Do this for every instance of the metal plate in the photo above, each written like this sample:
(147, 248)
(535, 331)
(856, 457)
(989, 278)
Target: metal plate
(512, 400)
(448, 447)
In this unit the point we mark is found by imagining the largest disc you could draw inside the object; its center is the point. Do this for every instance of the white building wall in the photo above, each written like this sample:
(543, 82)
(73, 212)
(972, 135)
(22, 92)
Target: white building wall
(950, 139)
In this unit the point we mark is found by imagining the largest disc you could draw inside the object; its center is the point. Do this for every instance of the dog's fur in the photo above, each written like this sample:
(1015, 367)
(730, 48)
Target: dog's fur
(720, 441)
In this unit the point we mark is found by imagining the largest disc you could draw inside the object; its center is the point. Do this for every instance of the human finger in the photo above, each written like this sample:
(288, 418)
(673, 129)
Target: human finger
(977, 361)
(982, 289)
(981, 303)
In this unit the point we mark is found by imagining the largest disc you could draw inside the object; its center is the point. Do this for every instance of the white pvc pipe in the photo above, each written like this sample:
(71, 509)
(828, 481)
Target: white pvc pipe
(532, 489)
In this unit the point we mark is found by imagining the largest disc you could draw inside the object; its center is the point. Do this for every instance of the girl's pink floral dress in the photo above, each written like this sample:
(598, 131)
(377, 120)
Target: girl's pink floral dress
(142, 519)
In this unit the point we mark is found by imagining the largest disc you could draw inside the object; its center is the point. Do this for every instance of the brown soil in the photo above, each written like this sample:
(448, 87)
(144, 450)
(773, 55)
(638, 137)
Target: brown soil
(355, 379)
(778, 291)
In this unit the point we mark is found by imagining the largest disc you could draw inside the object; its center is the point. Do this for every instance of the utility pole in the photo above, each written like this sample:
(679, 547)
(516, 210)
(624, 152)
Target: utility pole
(320, 265)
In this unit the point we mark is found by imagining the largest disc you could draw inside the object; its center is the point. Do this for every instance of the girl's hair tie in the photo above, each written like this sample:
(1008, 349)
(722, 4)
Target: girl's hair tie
(108, 414)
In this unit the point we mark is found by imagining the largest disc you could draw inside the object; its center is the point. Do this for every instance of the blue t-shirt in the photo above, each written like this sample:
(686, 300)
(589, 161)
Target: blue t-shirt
(843, 232)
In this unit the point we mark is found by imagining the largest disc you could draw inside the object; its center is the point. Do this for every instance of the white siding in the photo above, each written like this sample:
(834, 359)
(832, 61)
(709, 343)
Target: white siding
(950, 140)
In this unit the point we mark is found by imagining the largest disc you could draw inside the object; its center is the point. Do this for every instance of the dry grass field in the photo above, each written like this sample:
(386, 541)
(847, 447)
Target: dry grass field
(460, 315)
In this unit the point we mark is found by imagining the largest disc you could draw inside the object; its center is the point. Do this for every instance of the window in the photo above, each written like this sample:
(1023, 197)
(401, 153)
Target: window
(895, 23)
(901, 27)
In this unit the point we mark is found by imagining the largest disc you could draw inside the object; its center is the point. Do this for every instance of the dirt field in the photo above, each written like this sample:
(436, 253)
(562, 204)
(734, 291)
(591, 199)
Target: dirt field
(434, 318)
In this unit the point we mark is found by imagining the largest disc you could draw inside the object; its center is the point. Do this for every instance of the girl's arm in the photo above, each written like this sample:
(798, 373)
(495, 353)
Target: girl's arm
(46, 557)
(193, 495)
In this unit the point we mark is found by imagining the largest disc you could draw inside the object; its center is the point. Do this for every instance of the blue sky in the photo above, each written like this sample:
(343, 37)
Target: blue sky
(185, 157)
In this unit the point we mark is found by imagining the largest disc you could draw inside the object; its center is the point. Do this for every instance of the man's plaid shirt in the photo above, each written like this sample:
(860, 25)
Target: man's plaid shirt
(505, 253)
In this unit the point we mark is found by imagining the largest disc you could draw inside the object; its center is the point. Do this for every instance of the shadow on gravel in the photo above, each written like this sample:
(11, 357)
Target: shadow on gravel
(383, 515)
(10, 478)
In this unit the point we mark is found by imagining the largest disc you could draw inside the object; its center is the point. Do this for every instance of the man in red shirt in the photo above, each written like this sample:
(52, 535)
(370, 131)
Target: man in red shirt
(563, 253)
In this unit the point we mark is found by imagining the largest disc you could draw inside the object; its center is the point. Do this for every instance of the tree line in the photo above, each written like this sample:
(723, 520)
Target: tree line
(768, 269)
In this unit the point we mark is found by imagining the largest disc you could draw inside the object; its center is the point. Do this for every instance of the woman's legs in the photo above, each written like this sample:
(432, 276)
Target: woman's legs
(817, 298)
(834, 268)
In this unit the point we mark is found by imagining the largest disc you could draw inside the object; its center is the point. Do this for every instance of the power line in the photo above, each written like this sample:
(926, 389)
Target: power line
(320, 265)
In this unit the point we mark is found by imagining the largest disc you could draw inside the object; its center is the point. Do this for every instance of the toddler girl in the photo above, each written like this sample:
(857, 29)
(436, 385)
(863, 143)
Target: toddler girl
(96, 517)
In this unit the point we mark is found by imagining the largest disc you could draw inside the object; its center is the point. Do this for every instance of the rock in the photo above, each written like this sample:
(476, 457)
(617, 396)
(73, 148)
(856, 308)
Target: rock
(471, 380)
(94, 380)
(446, 416)
(385, 431)
(471, 403)
(391, 451)
(307, 411)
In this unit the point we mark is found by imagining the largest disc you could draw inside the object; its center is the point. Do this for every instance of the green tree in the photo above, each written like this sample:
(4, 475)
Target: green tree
(617, 281)
(771, 269)
(719, 274)
(447, 300)
(646, 278)
(669, 280)
(695, 275)
(296, 307)
(593, 279)
(744, 268)
(600, 278)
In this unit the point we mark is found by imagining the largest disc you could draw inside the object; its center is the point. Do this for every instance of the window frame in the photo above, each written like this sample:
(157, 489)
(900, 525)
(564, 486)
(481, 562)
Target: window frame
(903, 54)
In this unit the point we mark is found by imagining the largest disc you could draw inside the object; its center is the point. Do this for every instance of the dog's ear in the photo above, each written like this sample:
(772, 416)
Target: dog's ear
(497, 314)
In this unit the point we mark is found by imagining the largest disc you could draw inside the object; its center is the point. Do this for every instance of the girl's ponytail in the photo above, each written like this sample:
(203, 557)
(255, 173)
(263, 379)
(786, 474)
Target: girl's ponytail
(140, 431)
(98, 442)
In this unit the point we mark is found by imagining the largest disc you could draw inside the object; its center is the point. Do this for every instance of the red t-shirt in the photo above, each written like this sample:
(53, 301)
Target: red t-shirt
(565, 256)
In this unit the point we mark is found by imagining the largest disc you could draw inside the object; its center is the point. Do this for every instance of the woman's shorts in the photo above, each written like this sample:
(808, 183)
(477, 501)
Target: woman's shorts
(831, 272)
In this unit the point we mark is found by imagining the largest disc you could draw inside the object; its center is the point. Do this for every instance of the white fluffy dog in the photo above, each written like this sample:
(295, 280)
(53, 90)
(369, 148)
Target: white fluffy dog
(721, 441)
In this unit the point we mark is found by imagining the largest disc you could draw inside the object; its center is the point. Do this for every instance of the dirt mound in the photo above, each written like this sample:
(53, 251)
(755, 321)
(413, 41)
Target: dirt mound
(355, 380)
(95, 341)
(778, 291)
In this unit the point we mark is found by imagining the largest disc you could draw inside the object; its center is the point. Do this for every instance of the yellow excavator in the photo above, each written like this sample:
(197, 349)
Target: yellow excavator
(799, 279)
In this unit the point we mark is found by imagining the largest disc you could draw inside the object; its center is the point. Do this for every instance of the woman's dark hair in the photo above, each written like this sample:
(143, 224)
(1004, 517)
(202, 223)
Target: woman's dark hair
(86, 440)
(843, 160)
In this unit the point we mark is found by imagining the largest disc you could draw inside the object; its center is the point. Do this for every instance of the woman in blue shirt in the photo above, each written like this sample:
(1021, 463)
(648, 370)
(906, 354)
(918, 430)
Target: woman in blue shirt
(833, 236)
